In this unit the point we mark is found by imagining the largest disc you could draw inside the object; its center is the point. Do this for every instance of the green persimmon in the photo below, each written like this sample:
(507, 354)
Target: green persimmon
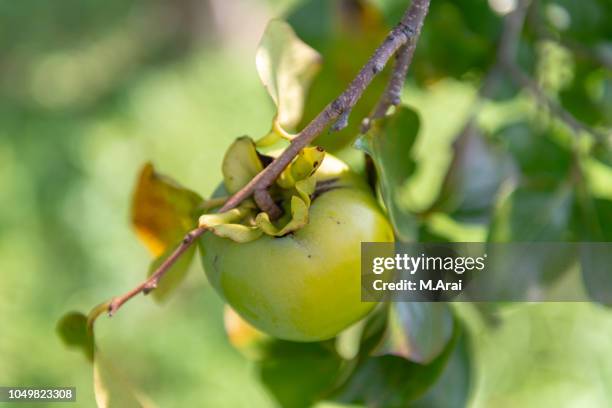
(304, 286)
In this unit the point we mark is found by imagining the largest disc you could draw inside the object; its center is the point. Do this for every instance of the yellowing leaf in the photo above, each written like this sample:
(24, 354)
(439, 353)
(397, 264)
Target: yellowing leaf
(162, 210)
(240, 164)
(112, 390)
(307, 162)
(286, 66)
(304, 165)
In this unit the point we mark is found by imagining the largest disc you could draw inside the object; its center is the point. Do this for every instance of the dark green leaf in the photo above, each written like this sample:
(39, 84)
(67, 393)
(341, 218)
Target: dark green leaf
(452, 389)
(72, 329)
(543, 161)
(467, 27)
(589, 95)
(531, 215)
(474, 177)
(298, 374)
(390, 381)
(416, 331)
(592, 223)
(389, 142)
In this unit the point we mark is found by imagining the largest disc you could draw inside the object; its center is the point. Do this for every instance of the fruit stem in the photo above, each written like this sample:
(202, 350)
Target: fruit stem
(404, 34)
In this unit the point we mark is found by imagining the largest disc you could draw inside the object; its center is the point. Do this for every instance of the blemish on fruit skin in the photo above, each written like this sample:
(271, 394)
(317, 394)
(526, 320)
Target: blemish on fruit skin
(338, 222)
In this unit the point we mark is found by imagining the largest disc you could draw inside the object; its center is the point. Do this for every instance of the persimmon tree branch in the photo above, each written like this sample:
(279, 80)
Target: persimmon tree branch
(392, 94)
(151, 283)
(403, 33)
(403, 36)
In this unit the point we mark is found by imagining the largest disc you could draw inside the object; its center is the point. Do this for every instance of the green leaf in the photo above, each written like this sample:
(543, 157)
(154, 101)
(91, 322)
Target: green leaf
(465, 28)
(298, 374)
(543, 161)
(72, 330)
(528, 214)
(162, 210)
(286, 66)
(389, 142)
(589, 95)
(592, 223)
(391, 381)
(474, 177)
(240, 164)
(416, 331)
(452, 389)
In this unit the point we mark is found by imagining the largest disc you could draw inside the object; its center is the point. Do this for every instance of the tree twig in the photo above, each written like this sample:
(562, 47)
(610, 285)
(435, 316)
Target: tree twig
(401, 34)
(151, 283)
(266, 203)
(392, 94)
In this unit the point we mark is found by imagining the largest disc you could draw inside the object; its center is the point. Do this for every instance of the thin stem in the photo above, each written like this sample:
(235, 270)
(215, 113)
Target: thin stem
(401, 34)
(266, 203)
(151, 283)
(392, 94)
(403, 58)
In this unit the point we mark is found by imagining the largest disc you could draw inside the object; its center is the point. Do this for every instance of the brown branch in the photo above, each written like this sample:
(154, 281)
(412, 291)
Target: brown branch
(151, 283)
(264, 201)
(392, 94)
(401, 34)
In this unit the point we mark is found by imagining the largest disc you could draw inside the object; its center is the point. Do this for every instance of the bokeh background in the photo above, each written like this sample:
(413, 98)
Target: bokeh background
(89, 90)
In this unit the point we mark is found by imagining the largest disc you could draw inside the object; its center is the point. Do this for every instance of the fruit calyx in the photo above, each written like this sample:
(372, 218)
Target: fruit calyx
(291, 194)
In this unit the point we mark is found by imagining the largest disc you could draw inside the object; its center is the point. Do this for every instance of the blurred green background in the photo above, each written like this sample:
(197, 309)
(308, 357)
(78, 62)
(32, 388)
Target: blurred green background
(89, 90)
